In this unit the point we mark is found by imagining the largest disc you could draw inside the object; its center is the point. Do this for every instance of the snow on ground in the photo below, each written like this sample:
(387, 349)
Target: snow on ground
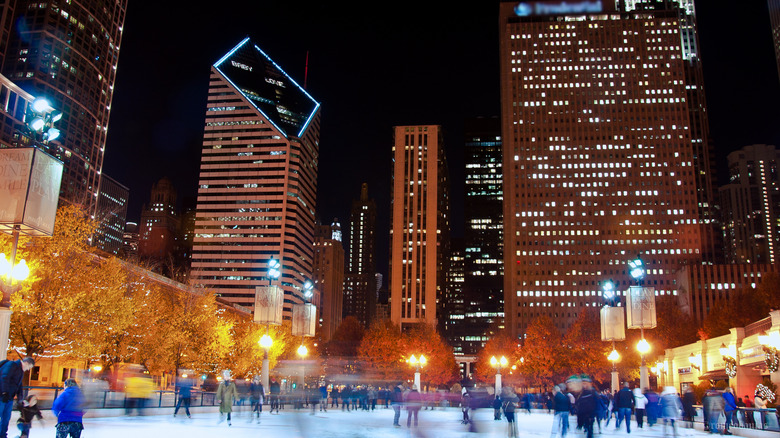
(333, 423)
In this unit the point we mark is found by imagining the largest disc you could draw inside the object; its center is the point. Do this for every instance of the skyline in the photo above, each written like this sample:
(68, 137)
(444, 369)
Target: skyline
(370, 76)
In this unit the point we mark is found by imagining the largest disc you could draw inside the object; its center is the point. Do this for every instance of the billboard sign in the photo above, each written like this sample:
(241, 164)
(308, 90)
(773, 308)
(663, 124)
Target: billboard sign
(640, 307)
(29, 190)
(527, 9)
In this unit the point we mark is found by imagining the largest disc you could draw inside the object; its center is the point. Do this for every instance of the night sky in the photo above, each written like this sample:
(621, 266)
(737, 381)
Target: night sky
(372, 69)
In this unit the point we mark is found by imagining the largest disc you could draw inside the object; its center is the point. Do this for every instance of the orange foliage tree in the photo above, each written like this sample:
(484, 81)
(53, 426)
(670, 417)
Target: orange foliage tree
(381, 351)
(502, 344)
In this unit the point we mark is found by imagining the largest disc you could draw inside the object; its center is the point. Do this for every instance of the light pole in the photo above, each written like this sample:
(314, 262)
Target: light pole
(498, 364)
(302, 352)
(637, 272)
(613, 357)
(265, 342)
(417, 364)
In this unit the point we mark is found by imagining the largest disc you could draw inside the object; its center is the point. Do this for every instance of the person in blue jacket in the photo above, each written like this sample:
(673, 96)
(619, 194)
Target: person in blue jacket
(69, 409)
(729, 409)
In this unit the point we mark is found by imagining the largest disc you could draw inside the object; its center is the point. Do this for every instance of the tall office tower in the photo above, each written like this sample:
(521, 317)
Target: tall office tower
(112, 215)
(606, 153)
(329, 277)
(774, 17)
(258, 180)
(750, 204)
(454, 307)
(360, 290)
(6, 26)
(67, 52)
(484, 240)
(160, 223)
(420, 229)
(130, 241)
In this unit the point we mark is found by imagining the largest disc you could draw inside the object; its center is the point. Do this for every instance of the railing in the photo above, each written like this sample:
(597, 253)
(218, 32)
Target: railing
(115, 399)
(749, 418)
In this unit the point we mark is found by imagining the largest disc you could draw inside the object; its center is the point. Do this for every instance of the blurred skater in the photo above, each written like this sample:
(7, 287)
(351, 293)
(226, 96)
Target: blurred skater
(11, 373)
(562, 407)
(28, 410)
(413, 405)
(257, 397)
(509, 404)
(69, 409)
(226, 395)
(670, 408)
(184, 386)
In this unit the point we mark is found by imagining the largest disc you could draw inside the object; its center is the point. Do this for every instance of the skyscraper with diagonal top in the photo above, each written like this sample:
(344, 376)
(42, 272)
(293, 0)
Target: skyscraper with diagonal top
(258, 179)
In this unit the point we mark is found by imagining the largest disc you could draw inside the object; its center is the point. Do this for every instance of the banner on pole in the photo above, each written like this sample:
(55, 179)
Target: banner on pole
(613, 324)
(268, 305)
(640, 307)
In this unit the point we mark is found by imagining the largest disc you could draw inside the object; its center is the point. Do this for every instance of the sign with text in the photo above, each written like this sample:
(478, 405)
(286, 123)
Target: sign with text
(613, 324)
(640, 307)
(304, 319)
(269, 305)
(29, 190)
(527, 9)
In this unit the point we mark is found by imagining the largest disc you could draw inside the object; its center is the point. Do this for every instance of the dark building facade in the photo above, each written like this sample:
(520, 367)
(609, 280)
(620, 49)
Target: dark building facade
(111, 214)
(328, 278)
(360, 289)
(483, 286)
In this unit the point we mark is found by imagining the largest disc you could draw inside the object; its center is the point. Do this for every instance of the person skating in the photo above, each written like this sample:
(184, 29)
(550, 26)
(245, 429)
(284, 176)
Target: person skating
(226, 395)
(413, 405)
(640, 402)
(624, 402)
(509, 405)
(465, 403)
(688, 402)
(670, 406)
(324, 396)
(561, 407)
(397, 398)
(713, 405)
(256, 397)
(11, 373)
(69, 409)
(185, 395)
(729, 408)
(587, 407)
(497, 402)
(28, 410)
(275, 390)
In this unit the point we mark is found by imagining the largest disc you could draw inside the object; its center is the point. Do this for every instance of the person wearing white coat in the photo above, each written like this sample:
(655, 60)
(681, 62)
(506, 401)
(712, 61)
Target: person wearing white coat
(640, 402)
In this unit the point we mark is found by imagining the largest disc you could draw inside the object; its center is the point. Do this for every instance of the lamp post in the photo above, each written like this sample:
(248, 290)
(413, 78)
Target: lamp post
(695, 361)
(265, 342)
(417, 364)
(637, 272)
(729, 360)
(498, 364)
(612, 326)
(613, 357)
(302, 352)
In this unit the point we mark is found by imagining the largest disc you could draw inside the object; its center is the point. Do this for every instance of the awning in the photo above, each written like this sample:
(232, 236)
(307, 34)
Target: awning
(715, 375)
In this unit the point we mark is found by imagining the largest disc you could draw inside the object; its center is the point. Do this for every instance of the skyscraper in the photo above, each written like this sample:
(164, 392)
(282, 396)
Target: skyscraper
(360, 288)
(606, 152)
(750, 205)
(329, 277)
(774, 17)
(258, 179)
(419, 237)
(67, 52)
(159, 229)
(112, 205)
(483, 286)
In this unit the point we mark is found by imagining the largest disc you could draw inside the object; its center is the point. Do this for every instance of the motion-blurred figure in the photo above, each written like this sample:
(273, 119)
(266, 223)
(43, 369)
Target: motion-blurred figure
(28, 410)
(413, 405)
(562, 407)
(184, 387)
(226, 395)
(138, 388)
(69, 409)
(670, 408)
(397, 399)
(257, 397)
(509, 404)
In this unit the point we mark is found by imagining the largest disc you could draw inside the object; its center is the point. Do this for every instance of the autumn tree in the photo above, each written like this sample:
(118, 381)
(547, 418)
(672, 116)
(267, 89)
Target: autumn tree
(441, 368)
(584, 351)
(501, 344)
(382, 351)
(543, 362)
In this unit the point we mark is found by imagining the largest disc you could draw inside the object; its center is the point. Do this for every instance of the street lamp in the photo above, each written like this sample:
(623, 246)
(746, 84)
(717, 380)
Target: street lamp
(302, 352)
(729, 360)
(695, 361)
(308, 288)
(274, 270)
(265, 342)
(498, 364)
(417, 364)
